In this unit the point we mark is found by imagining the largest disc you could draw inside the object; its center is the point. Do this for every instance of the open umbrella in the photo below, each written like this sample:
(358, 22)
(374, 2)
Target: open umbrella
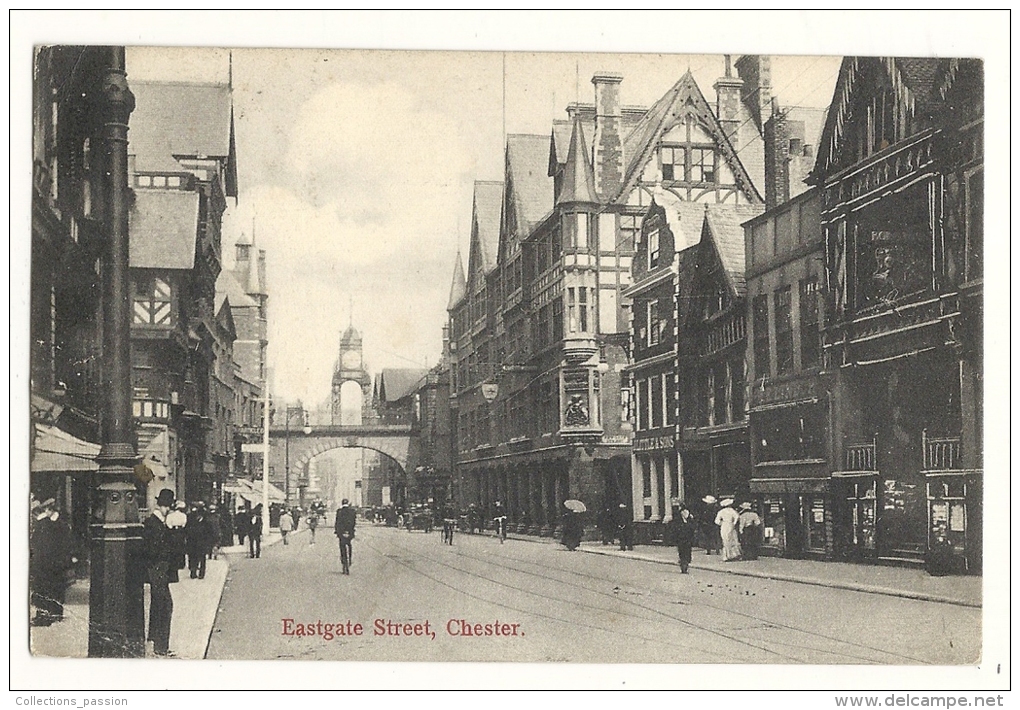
(574, 505)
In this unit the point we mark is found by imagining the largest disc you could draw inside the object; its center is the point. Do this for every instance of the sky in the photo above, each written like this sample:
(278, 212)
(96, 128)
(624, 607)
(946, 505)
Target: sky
(356, 171)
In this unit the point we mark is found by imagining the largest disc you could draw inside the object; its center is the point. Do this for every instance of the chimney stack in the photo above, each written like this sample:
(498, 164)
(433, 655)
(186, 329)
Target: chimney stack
(607, 146)
(727, 91)
(777, 158)
(756, 71)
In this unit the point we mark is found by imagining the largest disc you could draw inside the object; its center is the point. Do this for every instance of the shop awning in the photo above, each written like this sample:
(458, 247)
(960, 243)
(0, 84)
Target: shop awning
(252, 491)
(789, 485)
(54, 450)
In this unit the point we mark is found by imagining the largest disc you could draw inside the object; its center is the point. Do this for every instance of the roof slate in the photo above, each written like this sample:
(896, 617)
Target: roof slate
(725, 226)
(528, 168)
(397, 383)
(173, 118)
(488, 203)
(163, 227)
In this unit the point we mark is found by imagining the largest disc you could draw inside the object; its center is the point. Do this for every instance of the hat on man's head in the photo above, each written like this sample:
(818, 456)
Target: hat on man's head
(726, 503)
(165, 498)
(745, 505)
(708, 499)
(181, 505)
(345, 502)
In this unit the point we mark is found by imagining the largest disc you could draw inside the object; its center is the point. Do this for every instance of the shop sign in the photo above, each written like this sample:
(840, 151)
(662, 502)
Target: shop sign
(768, 392)
(654, 443)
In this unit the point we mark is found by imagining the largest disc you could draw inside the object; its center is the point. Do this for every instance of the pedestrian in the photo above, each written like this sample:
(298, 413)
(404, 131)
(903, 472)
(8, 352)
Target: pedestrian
(573, 530)
(286, 525)
(683, 531)
(227, 528)
(624, 527)
(50, 560)
(749, 531)
(500, 520)
(313, 523)
(176, 522)
(727, 520)
(255, 532)
(198, 535)
(346, 518)
(295, 515)
(242, 523)
(215, 522)
(449, 522)
(606, 528)
(710, 538)
(159, 550)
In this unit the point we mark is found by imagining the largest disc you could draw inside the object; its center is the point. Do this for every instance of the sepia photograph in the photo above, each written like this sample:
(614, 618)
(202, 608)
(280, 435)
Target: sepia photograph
(456, 355)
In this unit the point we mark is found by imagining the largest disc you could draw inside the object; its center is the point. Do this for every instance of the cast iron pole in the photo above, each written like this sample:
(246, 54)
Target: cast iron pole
(116, 610)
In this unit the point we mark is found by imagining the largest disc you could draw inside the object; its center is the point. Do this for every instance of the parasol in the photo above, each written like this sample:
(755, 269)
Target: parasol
(574, 505)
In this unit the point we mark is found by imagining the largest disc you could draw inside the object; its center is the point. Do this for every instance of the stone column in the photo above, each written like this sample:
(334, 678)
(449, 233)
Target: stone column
(653, 462)
(636, 484)
(667, 481)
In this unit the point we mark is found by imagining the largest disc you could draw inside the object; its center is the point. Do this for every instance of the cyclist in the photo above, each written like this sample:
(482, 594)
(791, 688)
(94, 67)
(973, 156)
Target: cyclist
(344, 531)
(500, 520)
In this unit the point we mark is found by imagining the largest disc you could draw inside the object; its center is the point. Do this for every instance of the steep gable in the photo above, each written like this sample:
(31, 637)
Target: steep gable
(485, 219)
(671, 111)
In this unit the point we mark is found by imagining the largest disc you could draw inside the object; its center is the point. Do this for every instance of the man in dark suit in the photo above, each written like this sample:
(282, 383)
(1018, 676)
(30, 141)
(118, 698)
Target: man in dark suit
(158, 561)
(346, 517)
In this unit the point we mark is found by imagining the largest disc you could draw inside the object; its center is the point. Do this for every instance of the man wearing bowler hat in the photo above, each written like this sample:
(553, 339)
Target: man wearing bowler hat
(158, 554)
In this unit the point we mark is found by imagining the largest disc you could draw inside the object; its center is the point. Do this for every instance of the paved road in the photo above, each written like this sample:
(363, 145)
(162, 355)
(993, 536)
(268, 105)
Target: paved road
(542, 603)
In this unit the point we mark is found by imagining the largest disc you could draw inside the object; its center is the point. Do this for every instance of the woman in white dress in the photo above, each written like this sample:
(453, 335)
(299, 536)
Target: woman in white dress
(727, 520)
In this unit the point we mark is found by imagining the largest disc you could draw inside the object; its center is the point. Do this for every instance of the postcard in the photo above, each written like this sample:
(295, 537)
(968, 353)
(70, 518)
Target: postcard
(560, 362)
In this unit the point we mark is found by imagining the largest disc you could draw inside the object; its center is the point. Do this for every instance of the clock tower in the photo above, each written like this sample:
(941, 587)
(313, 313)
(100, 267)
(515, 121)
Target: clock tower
(351, 393)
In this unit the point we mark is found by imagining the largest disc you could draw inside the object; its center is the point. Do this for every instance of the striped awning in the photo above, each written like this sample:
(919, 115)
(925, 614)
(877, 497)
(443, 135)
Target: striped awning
(54, 450)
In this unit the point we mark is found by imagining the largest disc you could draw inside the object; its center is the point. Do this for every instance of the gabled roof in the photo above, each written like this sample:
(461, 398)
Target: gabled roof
(578, 176)
(486, 210)
(459, 285)
(918, 82)
(559, 144)
(685, 218)
(642, 141)
(224, 315)
(229, 288)
(182, 119)
(397, 383)
(527, 168)
(724, 226)
(163, 227)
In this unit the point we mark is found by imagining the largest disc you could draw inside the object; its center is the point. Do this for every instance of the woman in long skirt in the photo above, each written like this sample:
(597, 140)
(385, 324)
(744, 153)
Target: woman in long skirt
(727, 520)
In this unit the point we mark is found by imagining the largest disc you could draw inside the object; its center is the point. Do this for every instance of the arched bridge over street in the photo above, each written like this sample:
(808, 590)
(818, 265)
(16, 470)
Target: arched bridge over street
(291, 448)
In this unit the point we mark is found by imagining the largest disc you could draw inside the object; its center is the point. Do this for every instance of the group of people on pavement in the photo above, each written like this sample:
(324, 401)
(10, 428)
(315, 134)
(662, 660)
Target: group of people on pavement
(195, 535)
(734, 533)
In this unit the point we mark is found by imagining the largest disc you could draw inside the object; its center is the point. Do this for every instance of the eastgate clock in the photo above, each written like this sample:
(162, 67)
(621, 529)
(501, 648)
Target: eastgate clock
(352, 359)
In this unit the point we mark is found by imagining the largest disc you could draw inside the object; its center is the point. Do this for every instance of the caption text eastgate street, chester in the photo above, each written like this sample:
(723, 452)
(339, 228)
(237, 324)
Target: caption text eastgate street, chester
(456, 628)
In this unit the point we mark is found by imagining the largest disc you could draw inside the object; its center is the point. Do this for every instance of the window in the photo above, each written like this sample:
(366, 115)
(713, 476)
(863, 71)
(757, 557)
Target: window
(760, 308)
(784, 332)
(737, 389)
(582, 309)
(810, 343)
(657, 401)
(653, 322)
(630, 227)
(642, 404)
(557, 319)
(653, 248)
(720, 401)
(673, 163)
(152, 302)
(702, 165)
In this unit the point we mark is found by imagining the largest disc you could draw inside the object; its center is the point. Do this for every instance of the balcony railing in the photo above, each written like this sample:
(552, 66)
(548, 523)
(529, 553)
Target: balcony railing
(861, 457)
(940, 453)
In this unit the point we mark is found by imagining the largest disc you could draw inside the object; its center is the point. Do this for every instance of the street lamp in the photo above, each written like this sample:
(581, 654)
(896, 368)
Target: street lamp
(286, 445)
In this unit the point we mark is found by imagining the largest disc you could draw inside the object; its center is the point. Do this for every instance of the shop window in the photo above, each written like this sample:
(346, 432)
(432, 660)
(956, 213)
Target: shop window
(810, 339)
(673, 163)
(646, 480)
(719, 394)
(784, 331)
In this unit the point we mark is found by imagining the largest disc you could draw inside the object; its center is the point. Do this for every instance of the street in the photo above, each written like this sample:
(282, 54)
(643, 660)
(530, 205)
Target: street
(416, 599)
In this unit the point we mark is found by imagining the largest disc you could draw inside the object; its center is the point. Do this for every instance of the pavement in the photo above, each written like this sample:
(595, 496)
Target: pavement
(196, 601)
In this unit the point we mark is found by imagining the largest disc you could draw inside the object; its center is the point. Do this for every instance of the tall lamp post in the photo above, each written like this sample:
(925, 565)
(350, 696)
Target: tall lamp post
(286, 445)
(116, 606)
